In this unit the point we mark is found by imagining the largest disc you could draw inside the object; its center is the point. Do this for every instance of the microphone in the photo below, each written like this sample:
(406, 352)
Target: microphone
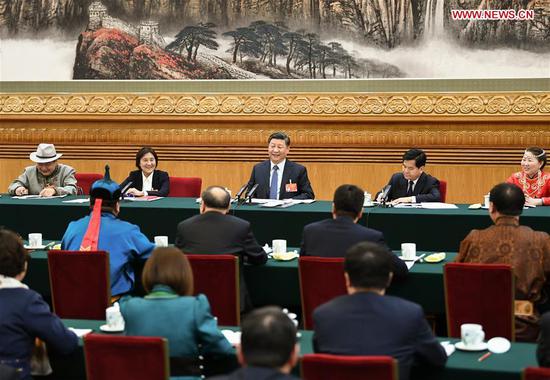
(241, 191)
(384, 194)
(123, 191)
(251, 193)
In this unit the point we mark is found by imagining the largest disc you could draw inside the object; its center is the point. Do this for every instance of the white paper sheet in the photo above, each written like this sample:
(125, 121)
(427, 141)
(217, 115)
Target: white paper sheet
(81, 200)
(80, 332)
(37, 196)
(234, 337)
(438, 205)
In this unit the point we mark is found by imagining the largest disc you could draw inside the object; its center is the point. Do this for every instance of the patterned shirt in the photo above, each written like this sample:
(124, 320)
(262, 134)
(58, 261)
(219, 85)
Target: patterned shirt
(526, 250)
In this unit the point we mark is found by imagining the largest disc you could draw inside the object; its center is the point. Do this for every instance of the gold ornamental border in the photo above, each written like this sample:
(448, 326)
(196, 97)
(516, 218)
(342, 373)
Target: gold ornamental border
(227, 105)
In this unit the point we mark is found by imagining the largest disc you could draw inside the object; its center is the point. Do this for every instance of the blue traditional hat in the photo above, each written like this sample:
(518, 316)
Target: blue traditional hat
(105, 188)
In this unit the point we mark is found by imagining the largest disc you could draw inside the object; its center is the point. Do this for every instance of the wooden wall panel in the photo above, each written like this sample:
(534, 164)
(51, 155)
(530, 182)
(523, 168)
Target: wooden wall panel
(473, 140)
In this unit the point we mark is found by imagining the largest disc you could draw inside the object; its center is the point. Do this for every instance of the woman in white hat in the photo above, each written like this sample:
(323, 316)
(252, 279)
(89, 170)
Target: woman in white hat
(47, 178)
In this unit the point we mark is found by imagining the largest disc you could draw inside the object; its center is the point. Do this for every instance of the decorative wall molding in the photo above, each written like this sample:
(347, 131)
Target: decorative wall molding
(477, 156)
(231, 136)
(320, 104)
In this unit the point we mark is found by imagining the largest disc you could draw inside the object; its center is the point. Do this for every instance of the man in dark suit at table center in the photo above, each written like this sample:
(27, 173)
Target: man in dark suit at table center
(413, 185)
(368, 322)
(333, 237)
(268, 349)
(279, 178)
(213, 231)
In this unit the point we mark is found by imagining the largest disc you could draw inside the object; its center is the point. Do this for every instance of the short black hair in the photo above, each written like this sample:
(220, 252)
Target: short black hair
(107, 205)
(214, 200)
(268, 338)
(508, 199)
(13, 255)
(279, 136)
(348, 200)
(539, 154)
(417, 155)
(142, 152)
(368, 265)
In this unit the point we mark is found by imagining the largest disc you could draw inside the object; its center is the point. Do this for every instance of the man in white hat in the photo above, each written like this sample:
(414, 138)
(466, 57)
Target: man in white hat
(47, 178)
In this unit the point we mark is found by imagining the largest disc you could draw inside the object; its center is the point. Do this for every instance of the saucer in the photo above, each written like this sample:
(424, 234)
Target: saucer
(285, 256)
(106, 328)
(435, 257)
(478, 347)
(34, 246)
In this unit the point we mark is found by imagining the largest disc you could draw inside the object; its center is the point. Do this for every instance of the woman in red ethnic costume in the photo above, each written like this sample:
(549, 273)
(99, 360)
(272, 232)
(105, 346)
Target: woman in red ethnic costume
(532, 180)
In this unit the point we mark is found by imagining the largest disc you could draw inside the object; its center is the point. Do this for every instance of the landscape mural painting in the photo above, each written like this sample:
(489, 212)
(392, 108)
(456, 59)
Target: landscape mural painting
(273, 39)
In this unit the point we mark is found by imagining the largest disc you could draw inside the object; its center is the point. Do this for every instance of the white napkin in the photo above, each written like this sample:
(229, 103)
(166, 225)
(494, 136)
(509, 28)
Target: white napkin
(448, 346)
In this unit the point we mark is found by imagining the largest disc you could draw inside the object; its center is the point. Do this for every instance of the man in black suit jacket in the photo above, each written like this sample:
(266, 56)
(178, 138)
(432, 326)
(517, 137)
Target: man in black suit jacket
(412, 185)
(268, 349)
(333, 237)
(292, 180)
(214, 231)
(367, 322)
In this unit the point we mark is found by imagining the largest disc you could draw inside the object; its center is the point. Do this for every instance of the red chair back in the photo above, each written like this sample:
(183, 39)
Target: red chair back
(185, 187)
(84, 181)
(79, 283)
(126, 357)
(217, 276)
(480, 293)
(536, 373)
(321, 279)
(443, 190)
(336, 367)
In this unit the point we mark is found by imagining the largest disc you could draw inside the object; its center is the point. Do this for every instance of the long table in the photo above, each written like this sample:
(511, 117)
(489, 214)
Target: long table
(277, 283)
(432, 230)
(461, 365)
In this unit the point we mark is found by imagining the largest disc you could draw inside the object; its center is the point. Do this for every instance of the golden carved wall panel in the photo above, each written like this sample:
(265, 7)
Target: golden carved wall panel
(362, 135)
(456, 104)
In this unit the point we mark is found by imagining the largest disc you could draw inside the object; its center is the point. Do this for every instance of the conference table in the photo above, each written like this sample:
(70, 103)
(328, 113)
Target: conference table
(277, 283)
(431, 230)
(460, 365)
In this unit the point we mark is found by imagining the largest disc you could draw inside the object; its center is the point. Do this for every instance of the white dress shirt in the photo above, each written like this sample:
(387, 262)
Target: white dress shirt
(413, 198)
(147, 183)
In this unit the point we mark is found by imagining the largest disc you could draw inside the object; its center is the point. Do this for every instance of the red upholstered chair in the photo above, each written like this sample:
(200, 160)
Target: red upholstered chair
(536, 373)
(185, 186)
(321, 279)
(443, 190)
(126, 357)
(337, 367)
(217, 276)
(84, 181)
(79, 283)
(480, 293)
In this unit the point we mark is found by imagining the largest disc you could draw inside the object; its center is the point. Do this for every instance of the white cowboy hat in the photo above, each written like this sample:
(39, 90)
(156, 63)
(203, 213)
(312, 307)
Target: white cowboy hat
(44, 153)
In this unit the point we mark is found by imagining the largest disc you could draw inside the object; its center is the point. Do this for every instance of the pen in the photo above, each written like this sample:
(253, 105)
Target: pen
(484, 356)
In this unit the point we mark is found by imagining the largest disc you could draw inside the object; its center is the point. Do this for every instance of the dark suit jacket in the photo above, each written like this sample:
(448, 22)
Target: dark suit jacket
(333, 237)
(161, 182)
(24, 316)
(543, 348)
(366, 323)
(255, 373)
(425, 190)
(292, 172)
(213, 233)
